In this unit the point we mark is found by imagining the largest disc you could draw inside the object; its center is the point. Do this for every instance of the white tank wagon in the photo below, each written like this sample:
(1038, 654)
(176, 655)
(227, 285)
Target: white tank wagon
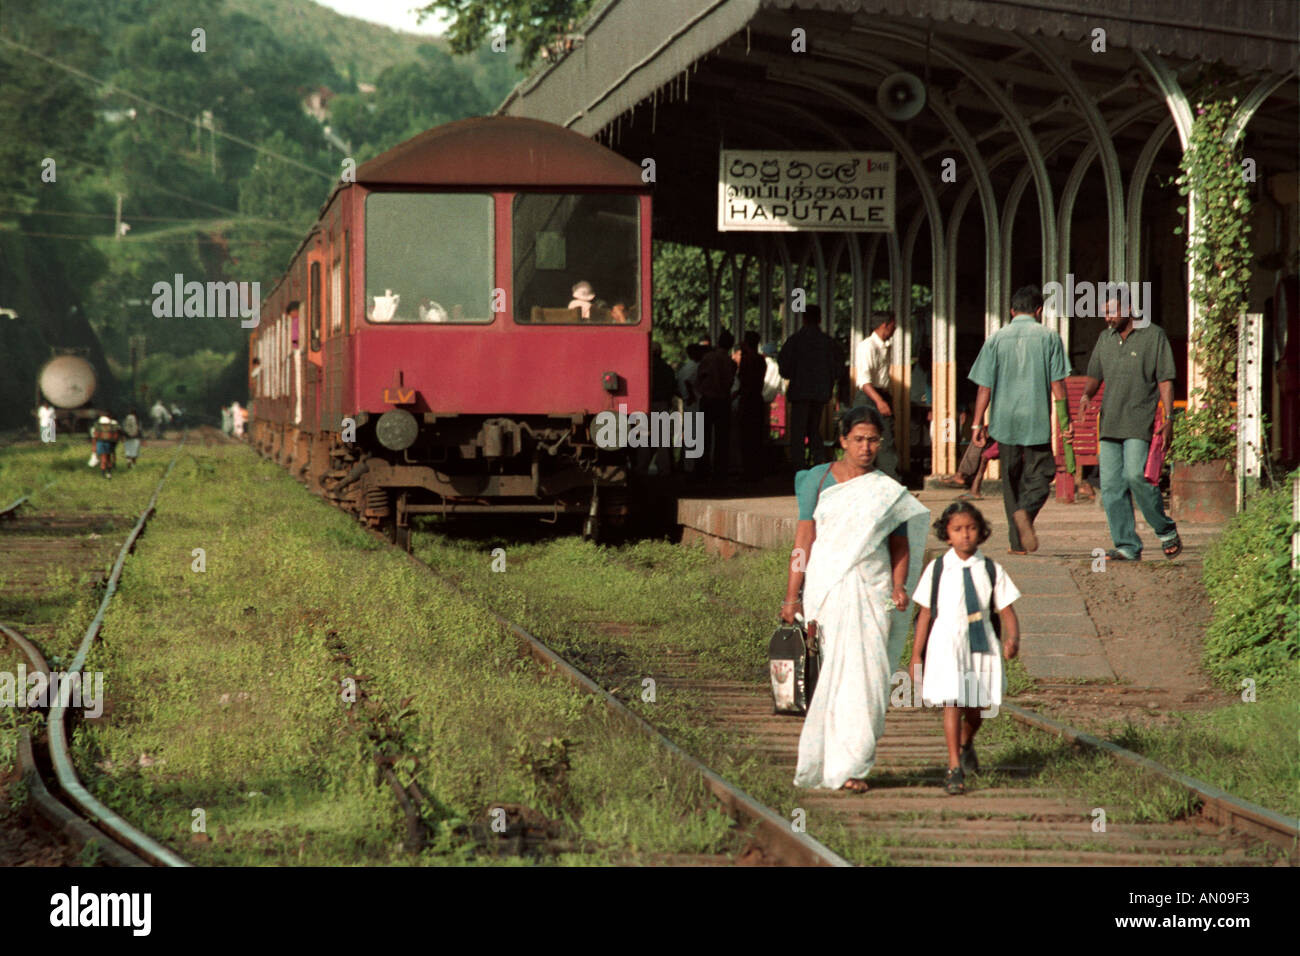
(67, 381)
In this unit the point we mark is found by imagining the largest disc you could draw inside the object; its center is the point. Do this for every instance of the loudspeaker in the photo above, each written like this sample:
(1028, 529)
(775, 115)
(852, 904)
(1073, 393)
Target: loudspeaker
(901, 96)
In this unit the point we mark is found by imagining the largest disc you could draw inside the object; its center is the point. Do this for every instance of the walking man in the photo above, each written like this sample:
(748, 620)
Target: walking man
(1137, 366)
(1020, 370)
(873, 383)
(810, 361)
(160, 417)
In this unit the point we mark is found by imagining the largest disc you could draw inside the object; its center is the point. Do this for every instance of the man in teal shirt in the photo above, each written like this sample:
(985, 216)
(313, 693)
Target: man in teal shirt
(1019, 367)
(1137, 366)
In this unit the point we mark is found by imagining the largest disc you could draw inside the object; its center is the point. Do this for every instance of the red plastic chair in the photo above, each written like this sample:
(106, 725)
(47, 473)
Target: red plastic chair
(1085, 435)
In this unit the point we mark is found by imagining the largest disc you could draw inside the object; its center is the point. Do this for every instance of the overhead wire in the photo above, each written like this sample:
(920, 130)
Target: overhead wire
(140, 238)
(187, 120)
(140, 218)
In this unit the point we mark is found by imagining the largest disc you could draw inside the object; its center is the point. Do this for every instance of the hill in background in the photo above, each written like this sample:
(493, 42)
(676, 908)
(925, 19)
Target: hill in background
(360, 50)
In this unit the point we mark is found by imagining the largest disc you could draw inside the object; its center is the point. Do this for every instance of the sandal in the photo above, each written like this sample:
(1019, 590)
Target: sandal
(855, 786)
(954, 781)
(1114, 554)
(1173, 548)
(1014, 551)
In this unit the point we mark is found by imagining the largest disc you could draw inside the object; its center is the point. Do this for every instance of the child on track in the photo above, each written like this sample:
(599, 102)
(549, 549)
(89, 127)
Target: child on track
(956, 644)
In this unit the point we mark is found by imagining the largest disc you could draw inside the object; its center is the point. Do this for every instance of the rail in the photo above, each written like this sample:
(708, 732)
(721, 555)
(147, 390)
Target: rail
(136, 842)
(773, 833)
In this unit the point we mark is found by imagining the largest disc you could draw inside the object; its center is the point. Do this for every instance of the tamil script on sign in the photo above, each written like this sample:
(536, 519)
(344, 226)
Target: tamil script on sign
(787, 190)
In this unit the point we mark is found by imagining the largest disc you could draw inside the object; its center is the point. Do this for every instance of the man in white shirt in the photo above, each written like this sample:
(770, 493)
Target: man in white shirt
(872, 368)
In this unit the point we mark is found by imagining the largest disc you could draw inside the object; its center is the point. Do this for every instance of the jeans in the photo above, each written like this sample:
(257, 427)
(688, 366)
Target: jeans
(804, 420)
(1027, 472)
(1121, 464)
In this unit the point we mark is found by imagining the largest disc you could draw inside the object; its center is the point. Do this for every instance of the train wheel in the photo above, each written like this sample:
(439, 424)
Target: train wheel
(591, 524)
(397, 526)
(399, 536)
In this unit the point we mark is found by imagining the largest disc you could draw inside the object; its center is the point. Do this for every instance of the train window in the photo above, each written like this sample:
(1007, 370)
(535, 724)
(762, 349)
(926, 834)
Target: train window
(576, 258)
(315, 307)
(336, 297)
(429, 257)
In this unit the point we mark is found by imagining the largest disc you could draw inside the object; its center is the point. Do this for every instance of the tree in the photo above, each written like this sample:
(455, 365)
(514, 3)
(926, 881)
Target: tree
(285, 203)
(410, 98)
(527, 25)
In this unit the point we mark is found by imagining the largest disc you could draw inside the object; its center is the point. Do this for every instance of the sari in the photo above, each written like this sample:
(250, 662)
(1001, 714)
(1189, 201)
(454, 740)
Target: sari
(848, 590)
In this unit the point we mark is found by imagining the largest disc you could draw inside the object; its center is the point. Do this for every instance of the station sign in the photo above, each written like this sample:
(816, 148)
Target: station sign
(791, 190)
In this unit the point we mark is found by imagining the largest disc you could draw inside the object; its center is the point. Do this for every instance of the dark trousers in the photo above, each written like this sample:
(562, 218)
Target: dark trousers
(753, 427)
(804, 420)
(1027, 472)
(717, 438)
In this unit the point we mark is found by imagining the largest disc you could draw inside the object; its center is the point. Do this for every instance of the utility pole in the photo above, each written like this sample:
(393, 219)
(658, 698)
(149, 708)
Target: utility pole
(209, 121)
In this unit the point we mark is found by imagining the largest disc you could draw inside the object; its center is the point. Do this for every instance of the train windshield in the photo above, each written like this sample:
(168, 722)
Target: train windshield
(428, 257)
(576, 259)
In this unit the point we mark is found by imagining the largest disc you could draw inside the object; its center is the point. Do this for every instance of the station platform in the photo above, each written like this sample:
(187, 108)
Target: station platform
(1066, 643)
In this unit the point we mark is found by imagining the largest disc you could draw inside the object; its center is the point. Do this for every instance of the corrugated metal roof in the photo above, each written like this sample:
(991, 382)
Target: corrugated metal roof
(630, 53)
(1254, 35)
(633, 49)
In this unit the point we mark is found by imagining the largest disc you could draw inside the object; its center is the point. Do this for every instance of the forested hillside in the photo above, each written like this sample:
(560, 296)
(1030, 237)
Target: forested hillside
(203, 140)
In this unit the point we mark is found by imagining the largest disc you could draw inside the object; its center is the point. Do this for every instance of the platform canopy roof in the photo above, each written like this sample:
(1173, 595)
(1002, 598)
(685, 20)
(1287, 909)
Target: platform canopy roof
(678, 79)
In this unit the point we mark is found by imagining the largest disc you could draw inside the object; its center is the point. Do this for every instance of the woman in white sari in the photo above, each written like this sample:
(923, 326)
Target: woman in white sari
(870, 535)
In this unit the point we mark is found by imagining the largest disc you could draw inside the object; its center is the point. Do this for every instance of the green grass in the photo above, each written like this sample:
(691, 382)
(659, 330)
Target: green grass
(224, 694)
(1250, 749)
(228, 683)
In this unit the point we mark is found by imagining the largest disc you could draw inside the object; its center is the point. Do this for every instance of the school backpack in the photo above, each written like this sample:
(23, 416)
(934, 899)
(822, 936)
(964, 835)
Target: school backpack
(992, 571)
(107, 432)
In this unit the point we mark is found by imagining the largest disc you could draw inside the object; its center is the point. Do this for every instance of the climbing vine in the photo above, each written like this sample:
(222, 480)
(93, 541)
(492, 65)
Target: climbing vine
(1219, 258)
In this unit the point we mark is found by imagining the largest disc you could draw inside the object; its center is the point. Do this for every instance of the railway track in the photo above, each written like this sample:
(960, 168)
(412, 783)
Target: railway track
(773, 839)
(1013, 817)
(76, 546)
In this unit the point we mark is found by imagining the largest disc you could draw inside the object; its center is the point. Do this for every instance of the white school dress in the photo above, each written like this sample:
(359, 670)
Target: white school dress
(953, 674)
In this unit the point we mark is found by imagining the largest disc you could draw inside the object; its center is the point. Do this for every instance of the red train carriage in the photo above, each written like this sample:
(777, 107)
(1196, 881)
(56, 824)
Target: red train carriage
(453, 322)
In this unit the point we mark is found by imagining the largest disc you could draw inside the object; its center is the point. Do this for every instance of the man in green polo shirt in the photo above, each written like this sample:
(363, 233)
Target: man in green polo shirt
(1019, 370)
(1137, 366)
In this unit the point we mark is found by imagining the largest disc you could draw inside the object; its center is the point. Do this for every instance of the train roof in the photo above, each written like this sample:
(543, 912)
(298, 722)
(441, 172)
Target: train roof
(495, 151)
(501, 151)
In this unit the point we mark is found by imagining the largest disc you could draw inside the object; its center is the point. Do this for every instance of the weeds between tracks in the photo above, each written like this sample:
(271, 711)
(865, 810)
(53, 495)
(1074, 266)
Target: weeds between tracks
(224, 695)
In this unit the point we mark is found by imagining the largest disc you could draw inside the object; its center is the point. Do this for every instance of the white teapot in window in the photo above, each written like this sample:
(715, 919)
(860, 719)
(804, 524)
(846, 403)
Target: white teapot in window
(385, 306)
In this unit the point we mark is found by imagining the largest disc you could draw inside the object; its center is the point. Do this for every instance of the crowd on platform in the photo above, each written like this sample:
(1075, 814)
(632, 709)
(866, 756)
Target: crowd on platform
(750, 392)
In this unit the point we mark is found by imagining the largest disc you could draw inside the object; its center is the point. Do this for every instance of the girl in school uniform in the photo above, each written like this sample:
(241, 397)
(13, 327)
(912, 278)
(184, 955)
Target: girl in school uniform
(956, 656)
